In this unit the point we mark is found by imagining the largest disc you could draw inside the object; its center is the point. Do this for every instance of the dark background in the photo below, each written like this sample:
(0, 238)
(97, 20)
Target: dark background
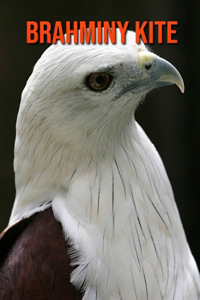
(170, 119)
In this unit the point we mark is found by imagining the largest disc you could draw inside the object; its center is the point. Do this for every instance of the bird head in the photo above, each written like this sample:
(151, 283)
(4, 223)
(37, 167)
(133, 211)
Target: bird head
(87, 90)
(77, 104)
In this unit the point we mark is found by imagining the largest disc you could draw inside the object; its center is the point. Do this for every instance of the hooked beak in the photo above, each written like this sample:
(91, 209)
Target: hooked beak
(160, 72)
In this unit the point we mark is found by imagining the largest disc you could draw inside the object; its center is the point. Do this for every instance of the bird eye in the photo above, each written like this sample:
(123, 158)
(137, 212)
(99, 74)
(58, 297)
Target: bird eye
(98, 81)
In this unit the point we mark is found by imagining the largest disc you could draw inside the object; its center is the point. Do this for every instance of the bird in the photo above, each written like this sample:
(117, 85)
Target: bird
(90, 182)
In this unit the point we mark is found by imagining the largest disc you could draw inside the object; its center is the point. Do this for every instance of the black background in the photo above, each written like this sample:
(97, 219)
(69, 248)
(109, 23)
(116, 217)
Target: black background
(170, 119)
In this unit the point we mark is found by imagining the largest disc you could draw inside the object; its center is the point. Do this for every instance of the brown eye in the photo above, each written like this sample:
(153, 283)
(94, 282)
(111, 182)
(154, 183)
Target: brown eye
(98, 81)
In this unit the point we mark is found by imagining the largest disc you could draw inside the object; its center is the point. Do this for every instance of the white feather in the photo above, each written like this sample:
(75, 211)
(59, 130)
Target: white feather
(84, 152)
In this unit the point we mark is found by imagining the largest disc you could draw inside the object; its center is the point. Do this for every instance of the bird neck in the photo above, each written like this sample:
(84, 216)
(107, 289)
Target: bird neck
(114, 214)
(45, 163)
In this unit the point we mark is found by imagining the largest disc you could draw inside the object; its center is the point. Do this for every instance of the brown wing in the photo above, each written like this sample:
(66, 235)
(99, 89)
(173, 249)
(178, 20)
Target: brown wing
(34, 261)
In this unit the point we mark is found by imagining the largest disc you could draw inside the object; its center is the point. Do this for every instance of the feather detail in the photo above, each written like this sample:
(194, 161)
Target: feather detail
(82, 149)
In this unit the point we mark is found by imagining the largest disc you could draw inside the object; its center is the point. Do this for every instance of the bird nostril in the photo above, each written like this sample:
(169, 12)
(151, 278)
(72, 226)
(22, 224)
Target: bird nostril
(148, 66)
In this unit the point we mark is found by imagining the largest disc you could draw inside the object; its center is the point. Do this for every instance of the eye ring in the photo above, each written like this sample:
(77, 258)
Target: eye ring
(98, 81)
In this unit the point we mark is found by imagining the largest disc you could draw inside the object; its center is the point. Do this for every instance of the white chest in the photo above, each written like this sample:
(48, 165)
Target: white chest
(124, 225)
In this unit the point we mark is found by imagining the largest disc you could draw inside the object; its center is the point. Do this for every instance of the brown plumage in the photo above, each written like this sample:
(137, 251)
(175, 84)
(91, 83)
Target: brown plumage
(34, 261)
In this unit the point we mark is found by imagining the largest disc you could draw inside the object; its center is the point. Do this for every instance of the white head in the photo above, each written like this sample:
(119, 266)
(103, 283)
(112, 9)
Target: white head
(77, 103)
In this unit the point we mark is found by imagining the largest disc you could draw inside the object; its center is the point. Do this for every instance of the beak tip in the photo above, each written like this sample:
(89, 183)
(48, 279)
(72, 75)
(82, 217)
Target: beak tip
(181, 86)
